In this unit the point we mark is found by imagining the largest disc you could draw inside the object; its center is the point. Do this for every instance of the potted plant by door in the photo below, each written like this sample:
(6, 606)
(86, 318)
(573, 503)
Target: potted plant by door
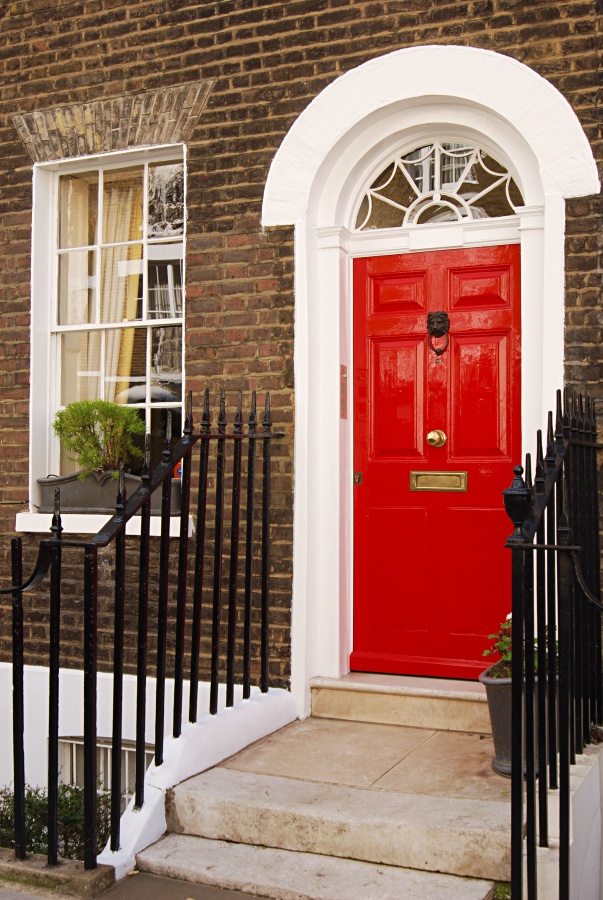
(497, 680)
(98, 435)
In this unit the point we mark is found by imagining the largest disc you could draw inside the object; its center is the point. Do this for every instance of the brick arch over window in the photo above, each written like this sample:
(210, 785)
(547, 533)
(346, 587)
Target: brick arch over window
(333, 151)
(163, 116)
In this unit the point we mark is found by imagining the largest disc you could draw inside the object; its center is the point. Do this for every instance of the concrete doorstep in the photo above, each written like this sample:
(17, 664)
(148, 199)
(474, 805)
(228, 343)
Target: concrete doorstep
(339, 810)
(290, 875)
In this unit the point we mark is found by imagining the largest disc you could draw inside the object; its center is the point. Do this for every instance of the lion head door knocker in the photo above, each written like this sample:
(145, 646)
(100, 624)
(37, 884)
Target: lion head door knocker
(438, 326)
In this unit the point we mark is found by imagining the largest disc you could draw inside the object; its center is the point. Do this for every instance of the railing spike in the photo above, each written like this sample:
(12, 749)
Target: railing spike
(267, 420)
(166, 453)
(238, 422)
(588, 413)
(188, 421)
(121, 491)
(146, 466)
(550, 441)
(559, 420)
(253, 417)
(56, 526)
(222, 414)
(566, 415)
(528, 470)
(206, 416)
(581, 419)
(574, 411)
(539, 476)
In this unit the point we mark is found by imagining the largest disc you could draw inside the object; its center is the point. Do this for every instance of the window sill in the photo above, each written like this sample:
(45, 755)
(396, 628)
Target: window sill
(86, 523)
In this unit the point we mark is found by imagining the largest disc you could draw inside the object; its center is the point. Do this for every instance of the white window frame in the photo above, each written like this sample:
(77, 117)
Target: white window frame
(43, 452)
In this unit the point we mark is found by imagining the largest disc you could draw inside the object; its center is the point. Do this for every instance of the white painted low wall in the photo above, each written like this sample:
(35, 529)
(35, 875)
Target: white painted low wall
(200, 746)
(586, 851)
(586, 855)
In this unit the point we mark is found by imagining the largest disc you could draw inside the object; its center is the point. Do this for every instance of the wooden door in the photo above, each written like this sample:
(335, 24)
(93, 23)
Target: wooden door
(431, 574)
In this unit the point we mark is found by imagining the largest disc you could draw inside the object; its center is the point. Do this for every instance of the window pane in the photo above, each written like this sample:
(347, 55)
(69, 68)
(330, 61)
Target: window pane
(122, 205)
(166, 200)
(80, 366)
(439, 182)
(121, 284)
(78, 207)
(76, 287)
(126, 365)
(166, 364)
(165, 281)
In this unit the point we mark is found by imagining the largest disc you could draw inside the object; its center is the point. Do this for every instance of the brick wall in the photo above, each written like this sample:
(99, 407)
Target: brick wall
(268, 59)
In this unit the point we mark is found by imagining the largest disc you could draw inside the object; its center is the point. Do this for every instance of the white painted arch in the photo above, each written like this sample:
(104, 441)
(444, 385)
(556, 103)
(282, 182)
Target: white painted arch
(316, 181)
(476, 78)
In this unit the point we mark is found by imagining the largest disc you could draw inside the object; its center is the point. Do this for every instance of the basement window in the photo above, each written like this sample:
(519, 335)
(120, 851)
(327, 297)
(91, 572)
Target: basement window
(71, 764)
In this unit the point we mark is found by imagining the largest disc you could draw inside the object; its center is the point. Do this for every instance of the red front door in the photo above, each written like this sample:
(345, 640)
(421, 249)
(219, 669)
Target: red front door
(431, 575)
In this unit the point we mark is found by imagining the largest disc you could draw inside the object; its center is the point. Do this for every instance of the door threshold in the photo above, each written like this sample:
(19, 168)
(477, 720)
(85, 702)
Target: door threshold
(435, 703)
(419, 685)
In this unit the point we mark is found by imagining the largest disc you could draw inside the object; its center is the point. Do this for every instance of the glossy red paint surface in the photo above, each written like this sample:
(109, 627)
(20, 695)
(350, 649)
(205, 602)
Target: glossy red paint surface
(431, 574)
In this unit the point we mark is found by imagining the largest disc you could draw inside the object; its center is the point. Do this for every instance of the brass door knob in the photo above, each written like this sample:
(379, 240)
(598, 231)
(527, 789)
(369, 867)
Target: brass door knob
(436, 438)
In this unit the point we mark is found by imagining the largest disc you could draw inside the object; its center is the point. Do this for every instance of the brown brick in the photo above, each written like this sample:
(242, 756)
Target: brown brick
(270, 60)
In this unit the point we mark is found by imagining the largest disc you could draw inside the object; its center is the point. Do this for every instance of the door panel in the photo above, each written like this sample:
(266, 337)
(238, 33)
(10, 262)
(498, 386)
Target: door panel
(397, 420)
(387, 528)
(431, 575)
(479, 402)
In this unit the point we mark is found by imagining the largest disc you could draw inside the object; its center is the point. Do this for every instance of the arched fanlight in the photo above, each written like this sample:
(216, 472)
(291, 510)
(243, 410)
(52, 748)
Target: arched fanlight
(443, 181)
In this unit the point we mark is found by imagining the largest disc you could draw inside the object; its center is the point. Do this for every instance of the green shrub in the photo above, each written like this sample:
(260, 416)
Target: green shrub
(98, 435)
(70, 817)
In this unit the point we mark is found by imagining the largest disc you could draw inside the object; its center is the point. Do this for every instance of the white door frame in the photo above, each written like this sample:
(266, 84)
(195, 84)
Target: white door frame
(315, 183)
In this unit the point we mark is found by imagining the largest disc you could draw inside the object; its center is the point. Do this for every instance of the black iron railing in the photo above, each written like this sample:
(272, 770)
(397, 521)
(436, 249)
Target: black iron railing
(222, 473)
(556, 665)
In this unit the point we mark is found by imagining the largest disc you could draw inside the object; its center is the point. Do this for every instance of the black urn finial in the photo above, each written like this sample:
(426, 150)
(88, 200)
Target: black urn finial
(518, 503)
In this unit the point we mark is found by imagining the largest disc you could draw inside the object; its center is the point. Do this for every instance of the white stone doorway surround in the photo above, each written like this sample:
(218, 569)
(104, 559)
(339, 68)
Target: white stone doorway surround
(331, 154)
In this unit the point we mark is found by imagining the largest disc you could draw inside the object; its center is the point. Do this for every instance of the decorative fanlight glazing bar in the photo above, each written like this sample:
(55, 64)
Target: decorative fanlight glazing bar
(439, 182)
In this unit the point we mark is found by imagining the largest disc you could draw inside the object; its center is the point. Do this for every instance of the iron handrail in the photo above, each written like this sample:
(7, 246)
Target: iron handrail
(556, 613)
(113, 532)
(133, 505)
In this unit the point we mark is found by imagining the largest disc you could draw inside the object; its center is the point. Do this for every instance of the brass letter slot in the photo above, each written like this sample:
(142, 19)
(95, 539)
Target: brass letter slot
(438, 481)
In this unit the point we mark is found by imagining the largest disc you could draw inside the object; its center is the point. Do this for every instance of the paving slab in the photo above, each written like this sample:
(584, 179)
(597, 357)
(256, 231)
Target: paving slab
(449, 764)
(25, 892)
(288, 875)
(388, 757)
(136, 886)
(331, 751)
(144, 886)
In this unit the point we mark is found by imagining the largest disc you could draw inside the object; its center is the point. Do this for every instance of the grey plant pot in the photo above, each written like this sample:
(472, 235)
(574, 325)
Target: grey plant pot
(498, 693)
(96, 493)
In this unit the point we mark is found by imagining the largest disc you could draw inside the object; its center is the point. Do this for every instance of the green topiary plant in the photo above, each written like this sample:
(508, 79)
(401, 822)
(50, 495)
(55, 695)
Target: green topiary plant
(70, 819)
(98, 435)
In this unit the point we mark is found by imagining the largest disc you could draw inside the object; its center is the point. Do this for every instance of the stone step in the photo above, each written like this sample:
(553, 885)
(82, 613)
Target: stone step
(454, 835)
(289, 875)
(439, 703)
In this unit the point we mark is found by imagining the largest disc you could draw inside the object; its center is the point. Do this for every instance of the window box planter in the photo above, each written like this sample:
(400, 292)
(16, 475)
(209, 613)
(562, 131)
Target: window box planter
(97, 493)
